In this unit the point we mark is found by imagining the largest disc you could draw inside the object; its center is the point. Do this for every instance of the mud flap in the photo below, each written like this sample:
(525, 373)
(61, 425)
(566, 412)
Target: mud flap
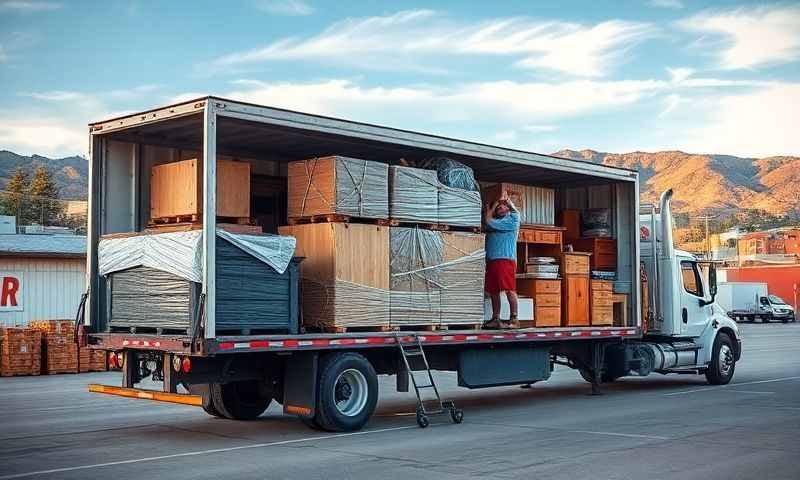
(300, 384)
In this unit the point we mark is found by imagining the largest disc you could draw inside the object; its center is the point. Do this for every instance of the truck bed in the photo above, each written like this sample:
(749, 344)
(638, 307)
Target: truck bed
(326, 341)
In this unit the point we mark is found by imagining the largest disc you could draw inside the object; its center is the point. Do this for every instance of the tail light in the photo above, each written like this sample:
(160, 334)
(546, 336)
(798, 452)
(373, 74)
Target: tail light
(177, 363)
(186, 365)
(112, 360)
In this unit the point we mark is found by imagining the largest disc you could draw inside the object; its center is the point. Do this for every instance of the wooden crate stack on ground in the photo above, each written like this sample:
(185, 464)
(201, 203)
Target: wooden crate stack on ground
(20, 351)
(92, 360)
(59, 350)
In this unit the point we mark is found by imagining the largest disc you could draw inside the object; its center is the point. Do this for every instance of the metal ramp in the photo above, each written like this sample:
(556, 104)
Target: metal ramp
(416, 363)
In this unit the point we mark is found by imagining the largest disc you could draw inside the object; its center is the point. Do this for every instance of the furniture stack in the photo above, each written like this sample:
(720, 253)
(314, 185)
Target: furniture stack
(20, 351)
(575, 289)
(59, 350)
(546, 294)
(602, 304)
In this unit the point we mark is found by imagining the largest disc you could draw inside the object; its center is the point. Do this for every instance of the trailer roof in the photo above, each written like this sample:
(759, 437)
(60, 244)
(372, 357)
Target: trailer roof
(257, 131)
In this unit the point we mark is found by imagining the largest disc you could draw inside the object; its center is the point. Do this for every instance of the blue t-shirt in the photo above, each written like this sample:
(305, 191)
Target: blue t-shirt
(501, 238)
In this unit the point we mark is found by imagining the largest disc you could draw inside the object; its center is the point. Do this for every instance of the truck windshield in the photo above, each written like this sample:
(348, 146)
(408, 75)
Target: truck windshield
(778, 300)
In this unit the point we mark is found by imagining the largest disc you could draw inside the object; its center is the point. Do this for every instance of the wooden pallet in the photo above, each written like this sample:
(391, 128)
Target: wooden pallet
(462, 326)
(336, 218)
(189, 226)
(339, 329)
(439, 227)
(20, 352)
(197, 218)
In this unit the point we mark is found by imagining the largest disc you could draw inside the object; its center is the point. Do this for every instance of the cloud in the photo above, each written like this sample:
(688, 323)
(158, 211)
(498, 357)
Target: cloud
(757, 124)
(746, 38)
(286, 7)
(27, 6)
(422, 39)
(666, 3)
(42, 135)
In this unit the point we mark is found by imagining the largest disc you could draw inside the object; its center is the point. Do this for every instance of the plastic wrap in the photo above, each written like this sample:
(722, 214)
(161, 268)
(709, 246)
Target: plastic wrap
(343, 304)
(436, 277)
(338, 185)
(413, 195)
(452, 173)
(147, 297)
(180, 253)
(461, 208)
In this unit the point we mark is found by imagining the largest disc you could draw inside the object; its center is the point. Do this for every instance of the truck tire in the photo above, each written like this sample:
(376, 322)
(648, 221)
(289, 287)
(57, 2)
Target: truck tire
(723, 361)
(203, 390)
(244, 400)
(347, 393)
(589, 376)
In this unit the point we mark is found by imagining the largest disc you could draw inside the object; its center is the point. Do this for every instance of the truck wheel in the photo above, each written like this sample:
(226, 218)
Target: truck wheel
(589, 376)
(244, 400)
(204, 391)
(723, 361)
(348, 392)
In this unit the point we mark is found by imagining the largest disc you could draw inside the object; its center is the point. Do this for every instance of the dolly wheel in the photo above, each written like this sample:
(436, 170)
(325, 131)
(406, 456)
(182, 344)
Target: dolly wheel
(422, 419)
(457, 415)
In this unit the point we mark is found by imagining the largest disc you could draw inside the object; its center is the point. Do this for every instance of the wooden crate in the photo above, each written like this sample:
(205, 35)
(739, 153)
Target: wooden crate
(59, 350)
(546, 296)
(176, 190)
(575, 263)
(338, 185)
(92, 360)
(601, 302)
(20, 351)
(344, 276)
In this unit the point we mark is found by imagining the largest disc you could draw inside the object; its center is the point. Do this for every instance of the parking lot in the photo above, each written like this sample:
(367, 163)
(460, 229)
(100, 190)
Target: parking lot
(660, 426)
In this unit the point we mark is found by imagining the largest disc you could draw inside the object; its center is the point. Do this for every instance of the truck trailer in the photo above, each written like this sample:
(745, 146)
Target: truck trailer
(329, 380)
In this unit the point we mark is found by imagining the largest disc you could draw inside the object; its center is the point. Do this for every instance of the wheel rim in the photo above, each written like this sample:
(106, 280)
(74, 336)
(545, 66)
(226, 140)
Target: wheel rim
(350, 392)
(725, 360)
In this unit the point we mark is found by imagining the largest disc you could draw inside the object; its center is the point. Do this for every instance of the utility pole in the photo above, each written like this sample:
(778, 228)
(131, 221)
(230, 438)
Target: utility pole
(706, 218)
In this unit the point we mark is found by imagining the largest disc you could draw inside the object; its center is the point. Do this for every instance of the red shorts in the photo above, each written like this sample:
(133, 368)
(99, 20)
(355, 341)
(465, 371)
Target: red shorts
(501, 275)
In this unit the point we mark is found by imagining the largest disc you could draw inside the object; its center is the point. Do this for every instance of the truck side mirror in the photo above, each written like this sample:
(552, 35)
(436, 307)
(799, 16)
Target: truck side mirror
(712, 281)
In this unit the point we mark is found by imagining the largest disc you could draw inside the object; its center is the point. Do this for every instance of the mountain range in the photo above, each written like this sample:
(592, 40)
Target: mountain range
(722, 184)
(71, 174)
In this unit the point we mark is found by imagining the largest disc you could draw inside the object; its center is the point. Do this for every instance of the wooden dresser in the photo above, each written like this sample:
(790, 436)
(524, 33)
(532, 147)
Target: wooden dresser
(602, 302)
(575, 289)
(546, 294)
(603, 250)
(539, 241)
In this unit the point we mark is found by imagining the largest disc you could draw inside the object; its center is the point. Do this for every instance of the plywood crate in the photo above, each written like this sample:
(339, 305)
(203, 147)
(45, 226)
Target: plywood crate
(337, 185)
(345, 274)
(20, 351)
(176, 189)
(59, 350)
(460, 208)
(462, 276)
(413, 195)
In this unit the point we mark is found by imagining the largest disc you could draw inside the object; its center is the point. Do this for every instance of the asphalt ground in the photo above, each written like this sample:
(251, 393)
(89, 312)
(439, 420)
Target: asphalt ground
(665, 427)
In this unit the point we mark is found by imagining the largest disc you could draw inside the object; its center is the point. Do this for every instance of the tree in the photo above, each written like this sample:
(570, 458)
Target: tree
(48, 208)
(15, 202)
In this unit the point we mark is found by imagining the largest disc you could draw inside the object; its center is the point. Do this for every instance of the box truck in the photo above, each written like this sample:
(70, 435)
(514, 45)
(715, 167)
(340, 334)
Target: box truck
(327, 379)
(751, 301)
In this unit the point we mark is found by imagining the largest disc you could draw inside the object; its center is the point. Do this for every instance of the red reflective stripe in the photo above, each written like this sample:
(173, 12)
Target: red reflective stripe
(290, 343)
(259, 344)
(320, 343)
(226, 345)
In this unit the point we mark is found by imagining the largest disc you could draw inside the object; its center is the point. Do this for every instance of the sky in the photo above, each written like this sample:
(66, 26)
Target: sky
(621, 76)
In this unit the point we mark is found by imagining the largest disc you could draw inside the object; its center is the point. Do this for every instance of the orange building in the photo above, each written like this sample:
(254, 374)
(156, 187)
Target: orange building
(781, 280)
(770, 242)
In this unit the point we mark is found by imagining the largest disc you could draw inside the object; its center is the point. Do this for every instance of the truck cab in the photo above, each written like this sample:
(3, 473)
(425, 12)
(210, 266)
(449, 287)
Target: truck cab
(685, 330)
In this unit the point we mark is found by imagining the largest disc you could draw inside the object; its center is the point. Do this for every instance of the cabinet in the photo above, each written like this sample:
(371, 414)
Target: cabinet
(537, 240)
(603, 250)
(546, 296)
(602, 302)
(575, 299)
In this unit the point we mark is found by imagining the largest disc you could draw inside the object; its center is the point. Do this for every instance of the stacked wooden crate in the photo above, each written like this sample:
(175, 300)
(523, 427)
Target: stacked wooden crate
(59, 350)
(20, 351)
(92, 360)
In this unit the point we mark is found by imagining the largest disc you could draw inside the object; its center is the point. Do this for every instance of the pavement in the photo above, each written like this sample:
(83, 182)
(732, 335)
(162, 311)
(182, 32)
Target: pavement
(665, 427)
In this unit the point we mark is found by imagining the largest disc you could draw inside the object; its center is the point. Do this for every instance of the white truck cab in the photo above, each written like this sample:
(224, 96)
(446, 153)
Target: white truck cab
(685, 330)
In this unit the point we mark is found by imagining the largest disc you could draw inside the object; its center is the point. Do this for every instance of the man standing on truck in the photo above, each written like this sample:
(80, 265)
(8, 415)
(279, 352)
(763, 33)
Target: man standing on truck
(502, 225)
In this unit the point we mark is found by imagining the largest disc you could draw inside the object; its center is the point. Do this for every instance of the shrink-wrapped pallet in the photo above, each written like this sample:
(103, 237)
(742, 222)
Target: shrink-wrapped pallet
(416, 257)
(338, 185)
(461, 276)
(437, 277)
(413, 195)
(20, 351)
(460, 208)
(344, 276)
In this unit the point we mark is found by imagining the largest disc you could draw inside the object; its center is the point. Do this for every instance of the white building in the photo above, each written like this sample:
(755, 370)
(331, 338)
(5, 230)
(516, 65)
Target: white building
(42, 277)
